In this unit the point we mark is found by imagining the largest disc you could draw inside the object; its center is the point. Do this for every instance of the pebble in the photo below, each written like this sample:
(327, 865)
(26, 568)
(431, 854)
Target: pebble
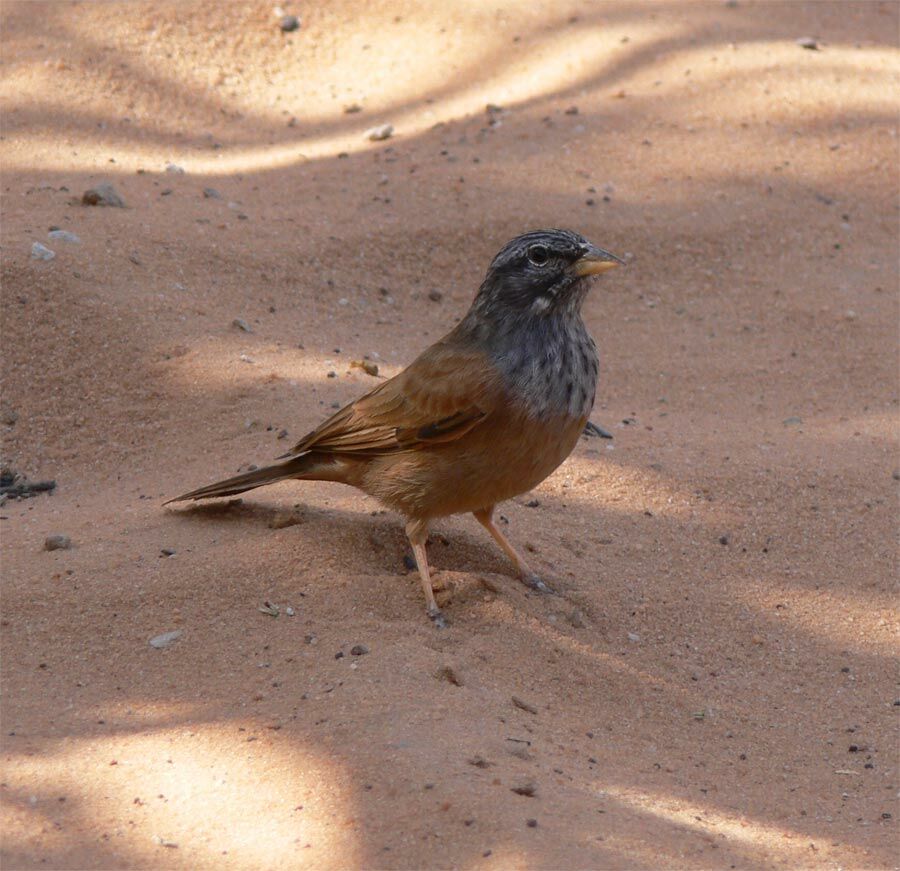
(211, 194)
(435, 295)
(525, 706)
(528, 788)
(532, 503)
(792, 421)
(359, 650)
(449, 674)
(241, 324)
(377, 134)
(57, 542)
(168, 551)
(174, 169)
(9, 416)
(289, 23)
(284, 519)
(41, 252)
(808, 42)
(532, 824)
(352, 109)
(633, 637)
(164, 640)
(576, 618)
(63, 236)
(103, 195)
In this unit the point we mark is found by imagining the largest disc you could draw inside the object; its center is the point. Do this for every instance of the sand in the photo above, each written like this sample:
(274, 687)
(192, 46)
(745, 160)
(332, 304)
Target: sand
(714, 686)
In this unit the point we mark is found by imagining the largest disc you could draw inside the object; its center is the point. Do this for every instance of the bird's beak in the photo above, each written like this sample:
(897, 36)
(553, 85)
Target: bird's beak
(594, 261)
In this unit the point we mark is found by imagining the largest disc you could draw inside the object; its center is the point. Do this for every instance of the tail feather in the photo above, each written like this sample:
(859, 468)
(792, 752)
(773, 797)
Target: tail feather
(297, 467)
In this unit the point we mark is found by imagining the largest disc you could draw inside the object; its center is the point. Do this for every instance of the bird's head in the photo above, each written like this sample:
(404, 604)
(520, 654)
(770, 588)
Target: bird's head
(542, 272)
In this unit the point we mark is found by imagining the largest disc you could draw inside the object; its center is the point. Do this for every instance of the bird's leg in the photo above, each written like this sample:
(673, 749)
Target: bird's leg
(417, 532)
(485, 517)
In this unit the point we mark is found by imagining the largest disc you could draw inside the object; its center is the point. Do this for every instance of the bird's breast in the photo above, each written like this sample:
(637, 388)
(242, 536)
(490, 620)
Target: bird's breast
(551, 370)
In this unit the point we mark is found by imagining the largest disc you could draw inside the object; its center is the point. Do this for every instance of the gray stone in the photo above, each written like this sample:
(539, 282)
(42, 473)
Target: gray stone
(383, 131)
(41, 252)
(57, 542)
(103, 195)
(166, 639)
(64, 236)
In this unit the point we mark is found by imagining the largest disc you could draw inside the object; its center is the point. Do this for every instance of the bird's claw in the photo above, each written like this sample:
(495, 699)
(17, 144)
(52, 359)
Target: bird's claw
(437, 617)
(535, 582)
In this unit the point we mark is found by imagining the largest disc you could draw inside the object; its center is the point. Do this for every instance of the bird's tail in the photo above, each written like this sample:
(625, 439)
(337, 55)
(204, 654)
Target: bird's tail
(309, 466)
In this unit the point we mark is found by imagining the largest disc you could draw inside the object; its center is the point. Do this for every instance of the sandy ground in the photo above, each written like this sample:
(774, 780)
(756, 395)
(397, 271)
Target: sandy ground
(714, 687)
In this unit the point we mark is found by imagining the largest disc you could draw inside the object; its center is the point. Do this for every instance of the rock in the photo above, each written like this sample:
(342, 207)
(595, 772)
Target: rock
(449, 674)
(64, 236)
(576, 618)
(241, 324)
(528, 788)
(532, 824)
(352, 109)
(377, 134)
(167, 551)
(7, 415)
(359, 650)
(367, 366)
(572, 110)
(174, 169)
(532, 503)
(284, 519)
(211, 194)
(166, 639)
(525, 706)
(633, 637)
(808, 42)
(792, 421)
(103, 195)
(57, 542)
(41, 252)
(435, 295)
(289, 23)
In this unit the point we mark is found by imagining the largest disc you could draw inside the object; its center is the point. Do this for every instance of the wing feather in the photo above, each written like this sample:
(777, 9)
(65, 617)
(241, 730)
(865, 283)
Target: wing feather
(439, 397)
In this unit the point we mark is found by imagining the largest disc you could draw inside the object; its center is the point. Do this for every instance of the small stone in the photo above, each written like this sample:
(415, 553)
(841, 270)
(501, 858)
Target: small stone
(284, 519)
(808, 42)
(57, 542)
(7, 415)
(289, 23)
(168, 551)
(103, 195)
(359, 650)
(572, 110)
(379, 133)
(64, 236)
(41, 252)
(792, 421)
(409, 562)
(164, 640)
(576, 618)
(525, 706)
(241, 324)
(528, 788)
(211, 194)
(532, 503)
(174, 169)
(449, 674)
(367, 366)
(532, 824)
(723, 539)
(633, 637)
(435, 295)
(352, 109)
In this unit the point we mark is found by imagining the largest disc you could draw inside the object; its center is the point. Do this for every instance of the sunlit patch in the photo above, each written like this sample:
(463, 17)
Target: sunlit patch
(236, 793)
(763, 842)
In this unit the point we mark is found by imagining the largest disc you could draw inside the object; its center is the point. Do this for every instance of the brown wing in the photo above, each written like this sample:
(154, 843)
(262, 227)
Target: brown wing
(440, 397)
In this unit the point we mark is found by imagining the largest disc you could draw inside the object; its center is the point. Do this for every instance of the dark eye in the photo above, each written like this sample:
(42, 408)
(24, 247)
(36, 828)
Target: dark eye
(538, 255)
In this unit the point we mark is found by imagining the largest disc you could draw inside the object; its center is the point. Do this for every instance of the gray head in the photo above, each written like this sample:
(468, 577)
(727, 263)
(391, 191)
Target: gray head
(542, 273)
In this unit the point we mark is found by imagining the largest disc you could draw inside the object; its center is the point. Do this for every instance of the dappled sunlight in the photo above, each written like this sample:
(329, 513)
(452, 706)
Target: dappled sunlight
(762, 842)
(853, 618)
(194, 790)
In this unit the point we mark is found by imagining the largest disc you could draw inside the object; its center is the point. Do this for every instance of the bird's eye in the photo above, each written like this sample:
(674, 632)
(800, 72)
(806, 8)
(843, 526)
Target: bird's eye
(538, 255)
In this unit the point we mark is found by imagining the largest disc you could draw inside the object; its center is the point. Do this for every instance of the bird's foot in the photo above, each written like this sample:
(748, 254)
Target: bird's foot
(535, 582)
(437, 617)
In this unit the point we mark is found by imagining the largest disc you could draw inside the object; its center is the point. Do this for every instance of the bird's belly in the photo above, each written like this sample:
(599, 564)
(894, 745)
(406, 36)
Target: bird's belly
(487, 466)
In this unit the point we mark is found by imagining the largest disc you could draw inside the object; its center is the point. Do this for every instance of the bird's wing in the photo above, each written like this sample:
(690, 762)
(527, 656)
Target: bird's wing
(440, 397)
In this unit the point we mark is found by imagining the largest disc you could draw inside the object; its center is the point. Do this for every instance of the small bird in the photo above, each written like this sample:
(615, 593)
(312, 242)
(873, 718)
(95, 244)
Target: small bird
(484, 414)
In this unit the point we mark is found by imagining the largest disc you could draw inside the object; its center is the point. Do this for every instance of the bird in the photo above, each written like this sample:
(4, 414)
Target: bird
(484, 414)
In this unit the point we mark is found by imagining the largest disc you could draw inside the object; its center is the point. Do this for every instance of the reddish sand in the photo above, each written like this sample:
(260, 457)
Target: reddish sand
(715, 684)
